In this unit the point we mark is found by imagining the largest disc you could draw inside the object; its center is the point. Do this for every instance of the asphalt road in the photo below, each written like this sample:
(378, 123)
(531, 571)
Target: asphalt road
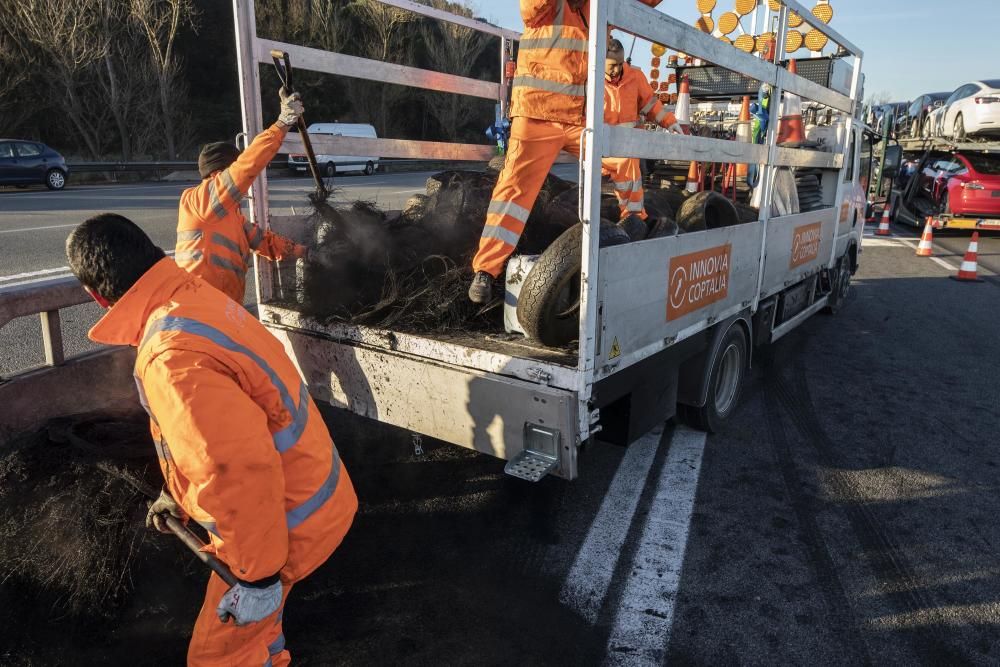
(845, 515)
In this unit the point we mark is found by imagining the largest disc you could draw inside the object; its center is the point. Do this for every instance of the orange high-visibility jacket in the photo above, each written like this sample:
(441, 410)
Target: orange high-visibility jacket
(631, 97)
(242, 447)
(551, 78)
(214, 239)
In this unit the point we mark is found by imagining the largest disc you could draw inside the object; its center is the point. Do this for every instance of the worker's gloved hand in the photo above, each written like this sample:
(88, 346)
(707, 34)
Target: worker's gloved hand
(249, 602)
(291, 107)
(160, 508)
(676, 128)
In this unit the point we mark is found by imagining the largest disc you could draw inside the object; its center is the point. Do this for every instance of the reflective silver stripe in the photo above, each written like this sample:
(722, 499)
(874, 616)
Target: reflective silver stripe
(213, 200)
(554, 42)
(187, 255)
(649, 106)
(551, 86)
(557, 22)
(502, 233)
(662, 114)
(192, 235)
(254, 235)
(295, 517)
(231, 189)
(628, 186)
(634, 206)
(629, 123)
(224, 263)
(277, 646)
(220, 239)
(498, 207)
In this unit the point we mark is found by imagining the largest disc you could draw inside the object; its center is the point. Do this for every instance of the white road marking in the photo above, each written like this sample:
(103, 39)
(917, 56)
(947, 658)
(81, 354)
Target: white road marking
(35, 229)
(29, 274)
(951, 268)
(645, 617)
(588, 580)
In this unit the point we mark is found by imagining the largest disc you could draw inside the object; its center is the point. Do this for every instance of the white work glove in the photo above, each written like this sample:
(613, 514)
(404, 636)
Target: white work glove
(676, 128)
(250, 602)
(160, 508)
(291, 107)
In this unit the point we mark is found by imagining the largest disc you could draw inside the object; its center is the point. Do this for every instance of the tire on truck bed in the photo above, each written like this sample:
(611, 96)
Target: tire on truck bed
(549, 305)
(706, 210)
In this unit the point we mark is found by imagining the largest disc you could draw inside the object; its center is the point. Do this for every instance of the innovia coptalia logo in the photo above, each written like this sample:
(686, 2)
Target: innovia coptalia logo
(697, 280)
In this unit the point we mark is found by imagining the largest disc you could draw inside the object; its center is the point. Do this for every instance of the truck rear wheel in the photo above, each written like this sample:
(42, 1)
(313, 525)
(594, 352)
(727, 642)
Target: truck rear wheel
(724, 386)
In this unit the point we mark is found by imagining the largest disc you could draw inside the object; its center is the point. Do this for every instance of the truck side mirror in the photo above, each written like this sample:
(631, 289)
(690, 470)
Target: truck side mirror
(893, 158)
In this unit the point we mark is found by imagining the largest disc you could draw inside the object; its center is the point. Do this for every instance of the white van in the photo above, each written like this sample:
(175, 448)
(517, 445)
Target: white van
(330, 165)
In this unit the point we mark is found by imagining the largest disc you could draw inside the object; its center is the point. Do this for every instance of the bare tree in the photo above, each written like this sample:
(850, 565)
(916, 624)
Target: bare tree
(453, 49)
(160, 21)
(67, 34)
(17, 64)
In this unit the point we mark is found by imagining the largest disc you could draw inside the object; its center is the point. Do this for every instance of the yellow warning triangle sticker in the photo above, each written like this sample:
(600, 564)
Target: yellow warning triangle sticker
(616, 349)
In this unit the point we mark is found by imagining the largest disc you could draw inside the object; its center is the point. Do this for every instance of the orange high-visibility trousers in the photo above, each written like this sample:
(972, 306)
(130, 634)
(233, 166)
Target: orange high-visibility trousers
(627, 178)
(218, 644)
(534, 146)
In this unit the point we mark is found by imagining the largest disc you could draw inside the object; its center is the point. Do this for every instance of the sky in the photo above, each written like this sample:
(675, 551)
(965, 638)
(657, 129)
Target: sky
(911, 47)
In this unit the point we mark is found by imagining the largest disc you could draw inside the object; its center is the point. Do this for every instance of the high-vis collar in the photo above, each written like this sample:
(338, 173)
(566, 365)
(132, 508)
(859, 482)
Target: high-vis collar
(125, 322)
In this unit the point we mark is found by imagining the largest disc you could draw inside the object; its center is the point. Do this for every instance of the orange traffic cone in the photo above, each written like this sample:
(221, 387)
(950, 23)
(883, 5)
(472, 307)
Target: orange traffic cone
(743, 133)
(693, 178)
(790, 129)
(683, 109)
(926, 246)
(969, 271)
(883, 224)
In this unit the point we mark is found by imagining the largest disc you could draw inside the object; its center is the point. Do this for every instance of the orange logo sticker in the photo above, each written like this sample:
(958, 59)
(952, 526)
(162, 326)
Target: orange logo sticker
(805, 244)
(697, 280)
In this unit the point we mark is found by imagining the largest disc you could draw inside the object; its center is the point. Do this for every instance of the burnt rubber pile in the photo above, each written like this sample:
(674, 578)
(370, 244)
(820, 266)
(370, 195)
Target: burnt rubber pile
(81, 576)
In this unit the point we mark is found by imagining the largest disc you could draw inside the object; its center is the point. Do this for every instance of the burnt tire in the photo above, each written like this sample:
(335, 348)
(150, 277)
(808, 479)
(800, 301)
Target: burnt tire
(725, 384)
(663, 226)
(548, 307)
(706, 210)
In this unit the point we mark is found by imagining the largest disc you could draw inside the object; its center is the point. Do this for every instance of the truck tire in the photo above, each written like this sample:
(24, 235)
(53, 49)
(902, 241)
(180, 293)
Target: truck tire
(549, 305)
(706, 210)
(840, 286)
(724, 386)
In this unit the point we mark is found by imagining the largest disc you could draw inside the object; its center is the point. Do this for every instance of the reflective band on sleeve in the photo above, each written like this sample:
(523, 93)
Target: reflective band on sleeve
(634, 206)
(286, 437)
(661, 115)
(564, 43)
(502, 233)
(559, 19)
(649, 106)
(629, 123)
(187, 255)
(628, 186)
(189, 235)
(224, 263)
(277, 646)
(254, 235)
(220, 239)
(210, 527)
(551, 86)
(213, 200)
(231, 189)
(498, 207)
(295, 517)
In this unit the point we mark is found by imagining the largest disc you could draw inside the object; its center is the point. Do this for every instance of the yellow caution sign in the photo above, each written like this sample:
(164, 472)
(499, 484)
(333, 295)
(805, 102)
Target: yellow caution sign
(616, 349)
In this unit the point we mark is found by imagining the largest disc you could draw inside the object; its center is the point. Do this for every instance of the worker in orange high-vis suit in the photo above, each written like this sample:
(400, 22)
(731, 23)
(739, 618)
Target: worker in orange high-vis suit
(628, 98)
(548, 111)
(243, 449)
(214, 239)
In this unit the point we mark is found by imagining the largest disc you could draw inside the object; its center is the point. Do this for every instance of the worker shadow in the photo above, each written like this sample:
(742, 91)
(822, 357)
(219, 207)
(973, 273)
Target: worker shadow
(335, 374)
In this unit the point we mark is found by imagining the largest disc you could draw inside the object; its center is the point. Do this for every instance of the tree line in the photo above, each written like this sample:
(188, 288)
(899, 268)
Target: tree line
(154, 79)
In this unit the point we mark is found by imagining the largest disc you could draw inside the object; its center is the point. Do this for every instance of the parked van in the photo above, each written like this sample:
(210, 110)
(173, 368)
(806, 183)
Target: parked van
(330, 165)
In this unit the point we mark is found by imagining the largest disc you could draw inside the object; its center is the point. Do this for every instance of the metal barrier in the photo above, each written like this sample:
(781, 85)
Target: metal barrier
(44, 298)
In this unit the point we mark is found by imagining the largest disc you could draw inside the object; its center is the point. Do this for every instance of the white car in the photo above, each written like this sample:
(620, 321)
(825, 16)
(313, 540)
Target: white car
(932, 126)
(972, 109)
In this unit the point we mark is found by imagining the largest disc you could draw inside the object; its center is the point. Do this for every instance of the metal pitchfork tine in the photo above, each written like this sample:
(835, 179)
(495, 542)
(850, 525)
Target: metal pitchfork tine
(283, 65)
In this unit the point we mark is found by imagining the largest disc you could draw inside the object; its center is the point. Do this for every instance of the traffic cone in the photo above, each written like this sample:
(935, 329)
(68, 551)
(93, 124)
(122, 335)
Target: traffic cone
(683, 109)
(743, 133)
(693, 178)
(926, 246)
(790, 129)
(969, 271)
(883, 224)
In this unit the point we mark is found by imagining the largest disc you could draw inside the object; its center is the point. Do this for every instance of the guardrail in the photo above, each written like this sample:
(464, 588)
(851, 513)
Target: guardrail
(44, 298)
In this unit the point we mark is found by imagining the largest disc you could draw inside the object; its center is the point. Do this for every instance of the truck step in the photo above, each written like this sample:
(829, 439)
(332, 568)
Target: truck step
(531, 465)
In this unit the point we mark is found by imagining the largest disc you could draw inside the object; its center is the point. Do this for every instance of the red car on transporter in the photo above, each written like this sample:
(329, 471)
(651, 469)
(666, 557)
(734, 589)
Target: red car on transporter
(965, 184)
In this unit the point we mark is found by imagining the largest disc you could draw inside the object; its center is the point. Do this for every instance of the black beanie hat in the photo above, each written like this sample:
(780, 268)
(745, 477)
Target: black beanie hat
(216, 156)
